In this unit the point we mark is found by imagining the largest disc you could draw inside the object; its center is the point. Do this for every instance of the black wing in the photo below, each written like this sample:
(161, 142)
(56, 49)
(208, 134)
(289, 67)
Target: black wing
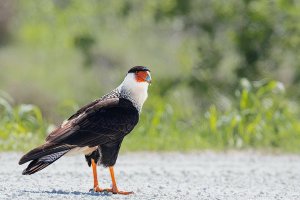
(103, 122)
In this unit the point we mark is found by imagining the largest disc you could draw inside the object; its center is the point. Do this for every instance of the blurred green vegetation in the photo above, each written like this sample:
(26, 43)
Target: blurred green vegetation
(21, 127)
(225, 73)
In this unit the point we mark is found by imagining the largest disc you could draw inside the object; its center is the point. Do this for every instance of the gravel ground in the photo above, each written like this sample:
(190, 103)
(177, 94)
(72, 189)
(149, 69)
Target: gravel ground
(206, 175)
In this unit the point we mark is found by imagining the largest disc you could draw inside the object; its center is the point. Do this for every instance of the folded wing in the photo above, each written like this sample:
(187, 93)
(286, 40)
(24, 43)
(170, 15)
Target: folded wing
(101, 122)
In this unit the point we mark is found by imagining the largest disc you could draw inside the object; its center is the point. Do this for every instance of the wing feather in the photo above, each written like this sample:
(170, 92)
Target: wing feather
(100, 123)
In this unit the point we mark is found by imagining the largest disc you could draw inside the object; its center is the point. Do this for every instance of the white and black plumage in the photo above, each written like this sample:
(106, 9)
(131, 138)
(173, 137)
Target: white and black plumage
(97, 129)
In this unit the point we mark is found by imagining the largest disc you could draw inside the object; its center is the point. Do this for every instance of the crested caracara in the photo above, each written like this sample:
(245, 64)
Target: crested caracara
(97, 129)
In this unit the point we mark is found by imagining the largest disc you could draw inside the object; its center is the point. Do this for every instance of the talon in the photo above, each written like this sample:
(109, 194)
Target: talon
(97, 189)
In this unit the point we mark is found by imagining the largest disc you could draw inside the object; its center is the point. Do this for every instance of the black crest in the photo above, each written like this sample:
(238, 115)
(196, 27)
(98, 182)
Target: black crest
(138, 68)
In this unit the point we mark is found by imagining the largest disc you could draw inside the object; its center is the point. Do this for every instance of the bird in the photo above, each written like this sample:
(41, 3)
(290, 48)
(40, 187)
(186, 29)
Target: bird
(96, 130)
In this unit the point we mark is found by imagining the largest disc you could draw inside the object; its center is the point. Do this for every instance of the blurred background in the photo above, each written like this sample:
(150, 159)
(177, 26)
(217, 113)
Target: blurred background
(226, 74)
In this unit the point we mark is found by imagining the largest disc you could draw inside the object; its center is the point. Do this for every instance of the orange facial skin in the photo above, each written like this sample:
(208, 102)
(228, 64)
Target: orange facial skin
(141, 76)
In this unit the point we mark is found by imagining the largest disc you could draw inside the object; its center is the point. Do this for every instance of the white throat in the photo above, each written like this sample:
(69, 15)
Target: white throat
(137, 92)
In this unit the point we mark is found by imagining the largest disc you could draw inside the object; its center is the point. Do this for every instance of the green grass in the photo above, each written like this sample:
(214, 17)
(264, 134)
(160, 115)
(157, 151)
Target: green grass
(261, 118)
(21, 127)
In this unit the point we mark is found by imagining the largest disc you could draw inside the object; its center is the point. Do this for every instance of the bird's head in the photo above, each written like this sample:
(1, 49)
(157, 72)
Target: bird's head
(136, 84)
(138, 76)
(141, 74)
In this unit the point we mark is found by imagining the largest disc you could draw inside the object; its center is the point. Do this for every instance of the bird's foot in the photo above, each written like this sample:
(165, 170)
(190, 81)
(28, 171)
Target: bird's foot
(97, 189)
(115, 190)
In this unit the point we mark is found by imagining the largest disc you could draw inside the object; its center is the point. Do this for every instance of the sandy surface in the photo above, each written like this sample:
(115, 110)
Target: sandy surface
(160, 176)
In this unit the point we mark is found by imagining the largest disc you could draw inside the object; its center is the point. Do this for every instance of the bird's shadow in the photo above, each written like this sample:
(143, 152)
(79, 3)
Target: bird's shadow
(70, 193)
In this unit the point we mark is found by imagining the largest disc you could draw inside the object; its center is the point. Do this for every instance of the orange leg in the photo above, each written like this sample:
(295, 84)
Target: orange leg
(96, 186)
(114, 188)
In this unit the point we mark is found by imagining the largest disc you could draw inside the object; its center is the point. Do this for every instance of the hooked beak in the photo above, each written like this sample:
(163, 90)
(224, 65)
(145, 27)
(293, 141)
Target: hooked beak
(148, 79)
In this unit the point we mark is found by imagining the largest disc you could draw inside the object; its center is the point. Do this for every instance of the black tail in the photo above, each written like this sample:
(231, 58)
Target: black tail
(40, 163)
(43, 156)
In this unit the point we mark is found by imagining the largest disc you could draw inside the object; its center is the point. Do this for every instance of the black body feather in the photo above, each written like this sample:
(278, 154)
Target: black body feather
(103, 124)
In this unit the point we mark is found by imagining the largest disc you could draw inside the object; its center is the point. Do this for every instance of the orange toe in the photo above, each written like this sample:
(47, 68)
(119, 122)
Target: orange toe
(98, 189)
(116, 191)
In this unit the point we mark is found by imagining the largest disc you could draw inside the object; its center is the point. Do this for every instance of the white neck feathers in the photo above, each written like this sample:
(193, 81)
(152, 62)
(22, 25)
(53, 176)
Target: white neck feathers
(134, 91)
